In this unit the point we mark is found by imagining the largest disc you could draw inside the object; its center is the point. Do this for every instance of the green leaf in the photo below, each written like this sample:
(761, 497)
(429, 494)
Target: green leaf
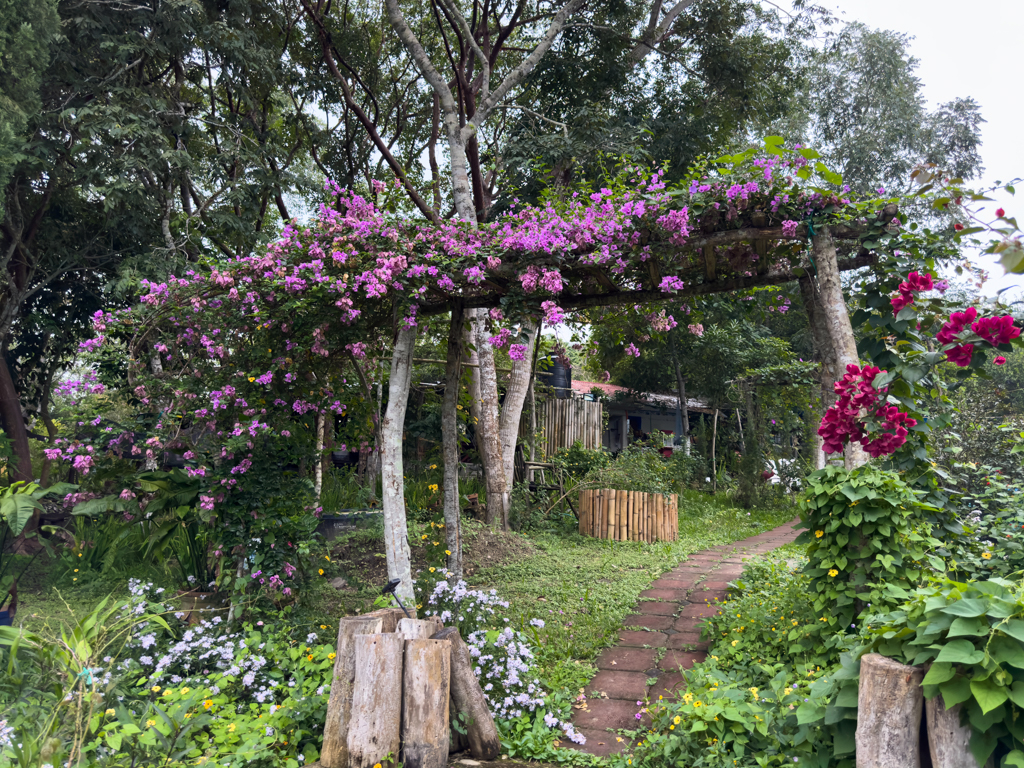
(988, 694)
(960, 652)
(1013, 628)
(940, 672)
(975, 627)
(955, 691)
(966, 607)
(1017, 693)
(1014, 758)
(1006, 650)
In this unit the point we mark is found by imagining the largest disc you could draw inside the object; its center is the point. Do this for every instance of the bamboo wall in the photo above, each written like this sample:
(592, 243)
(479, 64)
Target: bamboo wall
(560, 423)
(629, 515)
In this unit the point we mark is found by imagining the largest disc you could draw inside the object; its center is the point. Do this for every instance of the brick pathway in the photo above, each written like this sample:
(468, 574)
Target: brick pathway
(662, 636)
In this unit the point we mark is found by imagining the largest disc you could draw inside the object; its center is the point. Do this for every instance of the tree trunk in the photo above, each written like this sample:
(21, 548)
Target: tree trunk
(889, 708)
(823, 354)
(684, 408)
(374, 731)
(837, 320)
(948, 740)
(469, 699)
(515, 399)
(13, 423)
(488, 433)
(334, 753)
(714, 466)
(396, 534)
(425, 688)
(318, 470)
(450, 441)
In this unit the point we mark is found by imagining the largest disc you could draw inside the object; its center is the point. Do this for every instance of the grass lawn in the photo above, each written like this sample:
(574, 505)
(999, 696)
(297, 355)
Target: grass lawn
(581, 587)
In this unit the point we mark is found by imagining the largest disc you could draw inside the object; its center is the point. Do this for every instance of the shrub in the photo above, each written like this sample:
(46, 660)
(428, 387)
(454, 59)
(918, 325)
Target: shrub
(992, 517)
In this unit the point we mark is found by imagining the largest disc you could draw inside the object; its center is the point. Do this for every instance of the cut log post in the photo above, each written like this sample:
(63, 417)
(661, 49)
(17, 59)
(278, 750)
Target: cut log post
(948, 740)
(425, 692)
(470, 702)
(419, 629)
(391, 617)
(890, 705)
(334, 753)
(374, 732)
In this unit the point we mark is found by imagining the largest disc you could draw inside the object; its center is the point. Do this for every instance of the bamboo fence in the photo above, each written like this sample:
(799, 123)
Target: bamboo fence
(561, 423)
(629, 515)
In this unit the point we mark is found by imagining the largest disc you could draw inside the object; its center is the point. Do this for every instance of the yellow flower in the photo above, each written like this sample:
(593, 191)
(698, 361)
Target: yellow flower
(208, 703)
(231, 727)
(818, 534)
(423, 537)
(332, 656)
(671, 727)
(697, 704)
(833, 573)
(433, 489)
(321, 570)
(734, 643)
(327, 558)
(310, 657)
(753, 692)
(109, 713)
(150, 723)
(323, 626)
(377, 765)
(986, 555)
(252, 378)
(447, 551)
(432, 570)
(676, 719)
(185, 690)
(155, 689)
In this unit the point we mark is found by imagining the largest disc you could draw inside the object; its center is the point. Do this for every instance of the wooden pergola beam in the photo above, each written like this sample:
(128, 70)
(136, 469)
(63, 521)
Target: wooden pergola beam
(738, 283)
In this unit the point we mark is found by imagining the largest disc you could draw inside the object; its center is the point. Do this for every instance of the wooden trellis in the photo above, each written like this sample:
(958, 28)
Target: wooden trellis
(562, 422)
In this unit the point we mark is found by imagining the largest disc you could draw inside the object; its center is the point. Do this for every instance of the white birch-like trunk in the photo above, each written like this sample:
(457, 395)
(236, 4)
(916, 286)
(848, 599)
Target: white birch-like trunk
(318, 471)
(396, 534)
(515, 399)
(836, 320)
(450, 441)
(488, 431)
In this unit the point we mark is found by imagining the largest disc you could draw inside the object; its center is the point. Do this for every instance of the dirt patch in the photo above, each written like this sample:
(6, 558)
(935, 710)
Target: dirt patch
(360, 557)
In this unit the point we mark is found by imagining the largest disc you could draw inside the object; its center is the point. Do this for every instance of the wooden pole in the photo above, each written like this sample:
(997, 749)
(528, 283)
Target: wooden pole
(374, 734)
(425, 688)
(714, 467)
(889, 708)
(469, 699)
(948, 741)
(334, 753)
(611, 513)
(624, 517)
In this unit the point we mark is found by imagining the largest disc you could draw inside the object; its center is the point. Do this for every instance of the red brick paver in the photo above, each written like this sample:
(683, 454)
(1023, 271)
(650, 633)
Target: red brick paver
(671, 614)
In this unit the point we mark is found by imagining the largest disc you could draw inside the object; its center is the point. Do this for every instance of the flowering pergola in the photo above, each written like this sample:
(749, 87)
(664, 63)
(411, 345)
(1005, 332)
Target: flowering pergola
(237, 354)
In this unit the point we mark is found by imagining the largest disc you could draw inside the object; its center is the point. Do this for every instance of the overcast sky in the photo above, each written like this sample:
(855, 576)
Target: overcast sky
(966, 49)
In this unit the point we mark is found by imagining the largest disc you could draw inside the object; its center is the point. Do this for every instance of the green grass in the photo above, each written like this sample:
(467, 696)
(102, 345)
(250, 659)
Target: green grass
(583, 587)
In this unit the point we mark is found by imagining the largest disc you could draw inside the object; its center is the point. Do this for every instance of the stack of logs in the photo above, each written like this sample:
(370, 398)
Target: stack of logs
(891, 711)
(629, 515)
(398, 686)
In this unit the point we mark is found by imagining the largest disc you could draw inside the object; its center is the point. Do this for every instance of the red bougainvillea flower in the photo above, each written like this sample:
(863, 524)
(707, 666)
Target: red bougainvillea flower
(1001, 361)
(914, 282)
(1000, 212)
(958, 227)
(996, 330)
(960, 355)
(956, 323)
(841, 423)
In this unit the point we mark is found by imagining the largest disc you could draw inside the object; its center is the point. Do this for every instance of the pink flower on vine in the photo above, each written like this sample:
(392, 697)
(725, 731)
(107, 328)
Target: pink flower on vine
(632, 349)
(697, 329)
(517, 351)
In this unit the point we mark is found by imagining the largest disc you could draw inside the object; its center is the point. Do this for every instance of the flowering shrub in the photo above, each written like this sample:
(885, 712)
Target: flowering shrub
(844, 423)
(503, 659)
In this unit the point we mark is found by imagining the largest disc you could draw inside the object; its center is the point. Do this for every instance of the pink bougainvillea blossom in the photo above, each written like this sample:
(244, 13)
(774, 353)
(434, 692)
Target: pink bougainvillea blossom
(915, 282)
(996, 330)
(696, 329)
(843, 424)
(632, 349)
(517, 351)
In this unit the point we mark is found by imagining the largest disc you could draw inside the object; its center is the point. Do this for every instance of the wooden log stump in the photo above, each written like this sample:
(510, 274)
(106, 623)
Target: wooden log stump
(425, 692)
(334, 753)
(948, 740)
(374, 732)
(391, 617)
(470, 702)
(890, 705)
(419, 629)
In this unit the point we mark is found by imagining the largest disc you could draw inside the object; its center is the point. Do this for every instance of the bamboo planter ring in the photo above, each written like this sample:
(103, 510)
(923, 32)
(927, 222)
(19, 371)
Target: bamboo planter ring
(629, 515)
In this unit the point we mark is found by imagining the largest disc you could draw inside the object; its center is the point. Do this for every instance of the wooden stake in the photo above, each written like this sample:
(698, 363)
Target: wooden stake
(418, 629)
(470, 703)
(612, 510)
(948, 741)
(334, 753)
(425, 688)
(391, 616)
(890, 705)
(374, 733)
